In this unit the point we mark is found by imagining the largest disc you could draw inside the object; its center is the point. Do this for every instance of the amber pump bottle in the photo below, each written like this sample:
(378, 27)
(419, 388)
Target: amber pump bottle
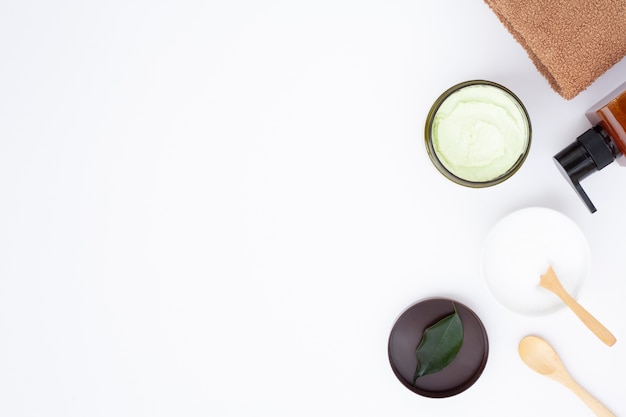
(598, 146)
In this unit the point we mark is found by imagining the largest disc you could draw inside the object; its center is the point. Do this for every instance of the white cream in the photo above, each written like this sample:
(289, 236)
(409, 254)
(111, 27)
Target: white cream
(518, 250)
(480, 132)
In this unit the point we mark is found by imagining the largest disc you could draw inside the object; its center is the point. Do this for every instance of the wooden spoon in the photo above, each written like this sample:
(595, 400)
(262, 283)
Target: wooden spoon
(541, 357)
(551, 282)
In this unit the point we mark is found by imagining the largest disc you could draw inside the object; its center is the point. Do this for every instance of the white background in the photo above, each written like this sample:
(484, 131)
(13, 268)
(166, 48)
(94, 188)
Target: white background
(220, 208)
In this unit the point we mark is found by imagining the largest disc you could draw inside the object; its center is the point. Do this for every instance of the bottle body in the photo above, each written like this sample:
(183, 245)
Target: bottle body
(610, 114)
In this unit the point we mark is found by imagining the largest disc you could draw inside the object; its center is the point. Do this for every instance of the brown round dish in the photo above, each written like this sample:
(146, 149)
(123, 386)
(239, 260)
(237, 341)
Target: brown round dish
(462, 372)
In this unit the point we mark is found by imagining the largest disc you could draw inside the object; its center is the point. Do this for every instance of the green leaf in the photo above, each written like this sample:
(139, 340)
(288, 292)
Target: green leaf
(439, 345)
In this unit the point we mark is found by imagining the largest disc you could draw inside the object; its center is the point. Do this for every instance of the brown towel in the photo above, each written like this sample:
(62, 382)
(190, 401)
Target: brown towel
(571, 42)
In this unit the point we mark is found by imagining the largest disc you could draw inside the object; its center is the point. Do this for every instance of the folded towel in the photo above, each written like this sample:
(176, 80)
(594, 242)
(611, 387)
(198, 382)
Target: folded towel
(571, 42)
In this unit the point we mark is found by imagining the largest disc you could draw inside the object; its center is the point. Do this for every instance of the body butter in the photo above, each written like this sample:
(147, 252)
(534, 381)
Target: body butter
(478, 133)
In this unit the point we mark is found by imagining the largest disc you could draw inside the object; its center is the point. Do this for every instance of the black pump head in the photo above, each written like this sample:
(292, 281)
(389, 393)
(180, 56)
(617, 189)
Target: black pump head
(592, 151)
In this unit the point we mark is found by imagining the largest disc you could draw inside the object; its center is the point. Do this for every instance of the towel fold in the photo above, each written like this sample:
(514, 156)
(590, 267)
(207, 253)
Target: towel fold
(571, 42)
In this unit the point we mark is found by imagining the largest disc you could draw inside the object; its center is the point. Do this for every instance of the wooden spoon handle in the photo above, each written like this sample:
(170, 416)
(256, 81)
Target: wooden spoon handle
(586, 317)
(596, 406)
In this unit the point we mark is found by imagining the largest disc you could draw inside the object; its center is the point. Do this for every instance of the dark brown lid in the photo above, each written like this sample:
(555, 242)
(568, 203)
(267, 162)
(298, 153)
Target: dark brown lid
(462, 372)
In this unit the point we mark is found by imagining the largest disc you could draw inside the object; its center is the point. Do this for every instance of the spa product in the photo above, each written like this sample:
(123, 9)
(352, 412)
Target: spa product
(598, 146)
(477, 133)
(462, 372)
(521, 246)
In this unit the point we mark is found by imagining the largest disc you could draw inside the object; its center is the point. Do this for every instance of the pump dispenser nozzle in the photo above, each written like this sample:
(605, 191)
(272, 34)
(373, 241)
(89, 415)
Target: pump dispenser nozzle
(592, 151)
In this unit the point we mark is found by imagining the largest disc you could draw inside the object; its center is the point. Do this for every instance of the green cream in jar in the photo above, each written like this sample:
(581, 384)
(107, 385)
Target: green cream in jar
(478, 133)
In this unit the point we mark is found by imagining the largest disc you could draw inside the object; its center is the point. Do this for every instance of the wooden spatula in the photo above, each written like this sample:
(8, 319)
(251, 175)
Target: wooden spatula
(551, 282)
